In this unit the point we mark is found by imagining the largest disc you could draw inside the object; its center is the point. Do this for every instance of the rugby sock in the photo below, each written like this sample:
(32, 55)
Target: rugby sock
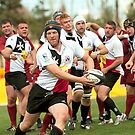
(56, 131)
(109, 102)
(69, 111)
(89, 116)
(100, 106)
(107, 113)
(12, 114)
(129, 104)
(75, 107)
(46, 121)
(84, 112)
(19, 132)
(21, 118)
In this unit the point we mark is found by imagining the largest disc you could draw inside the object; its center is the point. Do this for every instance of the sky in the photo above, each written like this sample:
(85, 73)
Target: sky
(79, 7)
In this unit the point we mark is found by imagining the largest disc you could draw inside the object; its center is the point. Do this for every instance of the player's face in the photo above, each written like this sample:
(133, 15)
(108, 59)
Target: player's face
(109, 30)
(66, 24)
(80, 27)
(22, 29)
(7, 29)
(130, 30)
(57, 19)
(52, 37)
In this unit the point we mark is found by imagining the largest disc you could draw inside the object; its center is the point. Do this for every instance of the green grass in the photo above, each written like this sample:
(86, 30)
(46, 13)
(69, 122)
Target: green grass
(125, 128)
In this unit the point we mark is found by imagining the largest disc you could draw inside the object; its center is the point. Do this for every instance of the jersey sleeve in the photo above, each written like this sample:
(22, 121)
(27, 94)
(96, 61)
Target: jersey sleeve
(96, 40)
(11, 42)
(78, 50)
(2, 44)
(118, 51)
(101, 32)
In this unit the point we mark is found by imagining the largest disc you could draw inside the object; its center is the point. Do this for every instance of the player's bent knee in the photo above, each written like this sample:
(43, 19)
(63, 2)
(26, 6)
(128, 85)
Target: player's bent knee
(11, 101)
(78, 95)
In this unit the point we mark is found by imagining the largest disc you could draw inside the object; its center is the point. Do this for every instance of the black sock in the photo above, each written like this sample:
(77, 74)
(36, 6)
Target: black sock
(18, 131)
(75, 107)
(56, 131)
(109, 102)
(107, 112)
(21, 118)
(84, 112)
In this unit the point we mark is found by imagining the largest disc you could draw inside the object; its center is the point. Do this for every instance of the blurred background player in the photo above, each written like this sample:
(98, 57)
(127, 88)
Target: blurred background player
(17, 51)
(129, 26)
(7, 30)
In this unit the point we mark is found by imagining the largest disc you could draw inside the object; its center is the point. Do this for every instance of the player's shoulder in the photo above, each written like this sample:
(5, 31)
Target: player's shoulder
(71, 45)
(3, 38)
(13, 37)
(115, 40)
(90, 33)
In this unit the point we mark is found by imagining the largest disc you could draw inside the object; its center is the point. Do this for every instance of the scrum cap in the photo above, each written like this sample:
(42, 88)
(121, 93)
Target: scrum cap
(57, 13)
(77, 19)
(129, 22)
(52, 25)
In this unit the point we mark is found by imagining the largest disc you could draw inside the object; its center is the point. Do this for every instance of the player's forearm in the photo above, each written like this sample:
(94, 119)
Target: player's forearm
(94, 26)
(132, 58)
(6, 54)
(89, 63)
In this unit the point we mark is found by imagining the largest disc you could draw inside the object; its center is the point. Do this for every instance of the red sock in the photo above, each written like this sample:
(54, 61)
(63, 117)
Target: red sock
(46, 121)
(100, 106)
(129, 103)
(12, 114)
(69, 111)
(89, 114)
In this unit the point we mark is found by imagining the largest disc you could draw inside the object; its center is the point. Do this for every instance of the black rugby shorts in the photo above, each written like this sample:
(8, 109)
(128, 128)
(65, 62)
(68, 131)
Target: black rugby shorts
(40, 99)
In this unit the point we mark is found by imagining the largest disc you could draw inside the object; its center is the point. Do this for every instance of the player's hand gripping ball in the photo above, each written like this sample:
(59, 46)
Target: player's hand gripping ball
(95, 75)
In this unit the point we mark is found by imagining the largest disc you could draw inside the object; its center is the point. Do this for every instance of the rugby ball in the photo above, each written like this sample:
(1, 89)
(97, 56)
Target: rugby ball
(95, 75)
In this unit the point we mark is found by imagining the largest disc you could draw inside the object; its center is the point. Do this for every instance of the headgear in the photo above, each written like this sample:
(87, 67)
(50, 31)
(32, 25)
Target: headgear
(77, 19)
(129, 22)
(52, 25)
(57, 13)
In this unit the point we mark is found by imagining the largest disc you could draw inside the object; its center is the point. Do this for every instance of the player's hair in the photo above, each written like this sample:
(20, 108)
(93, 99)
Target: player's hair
(20, 22)
(63, 16)
(112, 23)
(4, 21)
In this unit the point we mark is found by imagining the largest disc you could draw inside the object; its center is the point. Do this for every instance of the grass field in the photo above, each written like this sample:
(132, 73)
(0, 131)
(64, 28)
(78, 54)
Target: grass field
(125, 128)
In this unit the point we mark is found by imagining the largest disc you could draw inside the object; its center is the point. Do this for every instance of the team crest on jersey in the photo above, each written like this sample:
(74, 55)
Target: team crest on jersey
(46, 59)
(67, 59)
(20, 45)
(56, 57)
